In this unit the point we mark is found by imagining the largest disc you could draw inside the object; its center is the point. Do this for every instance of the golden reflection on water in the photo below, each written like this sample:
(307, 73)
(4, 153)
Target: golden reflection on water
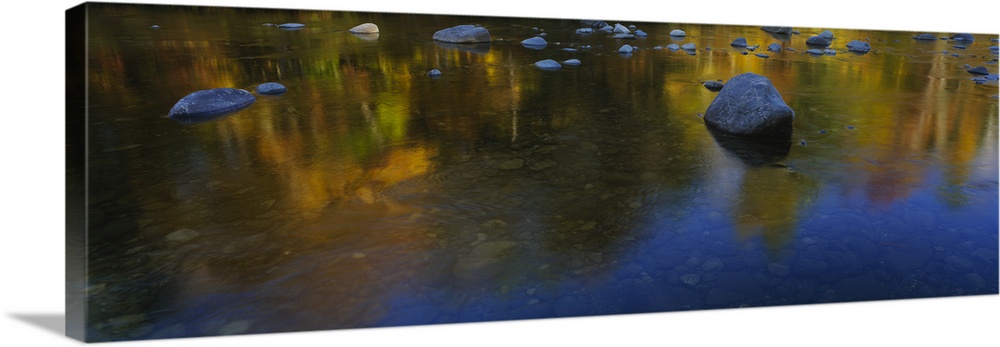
(340, 170)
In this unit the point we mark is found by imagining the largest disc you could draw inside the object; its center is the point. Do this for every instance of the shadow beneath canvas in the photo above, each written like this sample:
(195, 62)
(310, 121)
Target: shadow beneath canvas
(52, 322)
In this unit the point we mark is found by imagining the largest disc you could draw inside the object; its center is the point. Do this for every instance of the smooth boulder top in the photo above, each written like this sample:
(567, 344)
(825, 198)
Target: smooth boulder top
(713, 85)
(211, 102)
(815, 51)
(925, 37)
(463, 34)
(641, 33)
(585, 31)
(774, 47)
(739, 42)
(677, 33)
(621, 29)
(534, 42)
(826, 34)
(366, 28)
(573, 62)
(625, 49)
(859, 46)
(271, 88)
(673, 47)
(818, 41)
(291, 25)
(434, 73)
(548, 64)
(689, 47)
(750, 106)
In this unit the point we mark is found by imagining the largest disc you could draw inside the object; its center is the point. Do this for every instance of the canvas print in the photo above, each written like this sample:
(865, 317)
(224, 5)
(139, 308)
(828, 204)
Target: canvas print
(244, 170)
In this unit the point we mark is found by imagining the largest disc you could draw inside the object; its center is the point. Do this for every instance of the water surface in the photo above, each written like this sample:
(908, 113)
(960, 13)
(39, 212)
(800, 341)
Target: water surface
(373, 195)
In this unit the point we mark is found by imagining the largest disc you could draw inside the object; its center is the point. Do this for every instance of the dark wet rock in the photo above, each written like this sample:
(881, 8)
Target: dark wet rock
(963, 37)
(749, 105)
(762, 55)
(814, 51)
(594, 23)
(624, 36)
(271, 88)
(366, 28)
(739, 42)
(677, 33)
(713, 85)
(979, 70)
(958, 46)
(292, 26)
(534, 42)
(826, 34)
(995, 49)
(859, 46)
(585, 31)
(987, 79)
(641, 33)
(625, 49)
(752, 48)
(463, 34)
(572, 62)
(180, 236)
(818, 41)
(774, 47)
(744, 53)
(673, 47)
(434, 73)
(829, 52)
(925, 37)
(778, 30)
(607, 28)
(689, 47)
(211, 102)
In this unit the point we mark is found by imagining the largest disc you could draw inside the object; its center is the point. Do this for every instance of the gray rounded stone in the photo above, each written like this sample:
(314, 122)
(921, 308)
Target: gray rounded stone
(859, 46)
(818, 41)
(814, 51)
(750, 106)
(463, 34)
(548, 64)
(271, 88)
(925, 37)
(826, 34)
(534, 42)
(366, 28)
(572, 62)
(677, 33)
(434, 73)
(211, 102)
(673, 47)
(739, 42)
(713, 85)
(689, 47)
(621, 29)
(774, 47)
(979, 70)
(963, 37)
(582, 31)
(292, 26)
(625, 49)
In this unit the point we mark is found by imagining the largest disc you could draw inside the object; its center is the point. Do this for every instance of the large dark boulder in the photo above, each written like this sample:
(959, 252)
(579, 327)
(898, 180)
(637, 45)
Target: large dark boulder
(818, 41)
(963, 37)
(739, 42)
(463, 34)
(750, 106)
(859, 46)
(210, 103)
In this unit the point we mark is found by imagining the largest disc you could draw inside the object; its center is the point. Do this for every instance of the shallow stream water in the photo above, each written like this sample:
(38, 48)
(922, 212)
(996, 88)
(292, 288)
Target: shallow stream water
(370, 194)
